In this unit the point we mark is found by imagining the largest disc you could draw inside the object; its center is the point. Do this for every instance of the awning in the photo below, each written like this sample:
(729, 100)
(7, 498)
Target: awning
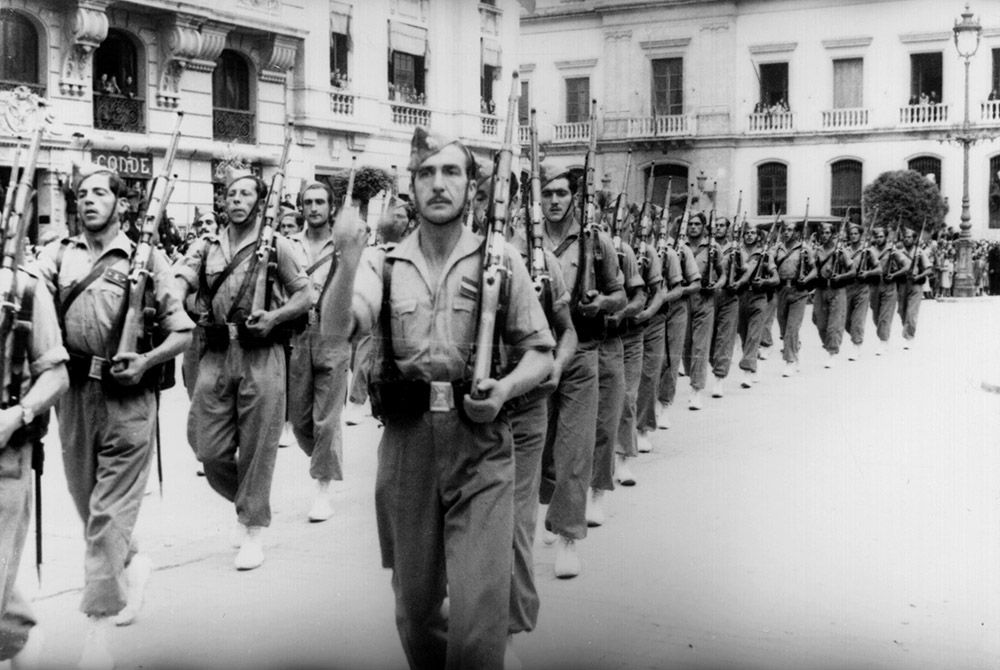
(408, 39)
(340, 22)
(491, 52)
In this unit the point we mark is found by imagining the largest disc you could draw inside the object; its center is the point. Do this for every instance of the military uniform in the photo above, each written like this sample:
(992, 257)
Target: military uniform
(444, 491)
(568, 459)
(654, 337)
(793, 263)
(317, 377)
(910, 293)
(701, 313)
(727, 304)
(44, 352)
(857, 295)
(676, 329)
(883, 294)
(238, 406)
(829, 301)
(107, 438)
(754, 303)
(634, 346)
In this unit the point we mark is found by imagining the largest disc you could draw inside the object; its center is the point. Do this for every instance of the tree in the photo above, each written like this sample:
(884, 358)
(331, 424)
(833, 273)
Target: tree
(907, 196)
(368, 182)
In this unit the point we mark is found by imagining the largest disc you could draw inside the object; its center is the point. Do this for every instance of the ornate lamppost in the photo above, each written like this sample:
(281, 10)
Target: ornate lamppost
(967, 34)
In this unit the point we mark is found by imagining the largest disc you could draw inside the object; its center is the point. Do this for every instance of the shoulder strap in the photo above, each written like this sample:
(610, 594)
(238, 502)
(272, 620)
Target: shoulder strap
(389, 368)
(564, 245)
(211, 291)
(319, 262)
(329, 276)
(79, 287)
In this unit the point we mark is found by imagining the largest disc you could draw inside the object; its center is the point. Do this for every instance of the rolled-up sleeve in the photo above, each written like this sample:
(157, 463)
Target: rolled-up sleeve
(291, 266)
(169, 292)
(45, 349)
(610, 278)
(189, 266)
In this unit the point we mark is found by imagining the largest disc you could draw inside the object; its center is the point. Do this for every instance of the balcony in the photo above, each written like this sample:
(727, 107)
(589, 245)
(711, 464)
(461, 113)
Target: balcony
(341, 104)
(572, 132)
(410, 115)
(234, 125)
(489, 125)
(524, 135)
(119, 112)
(923, 115)
(772, 122)
(37, 89)
(845, 119)
(990, 111)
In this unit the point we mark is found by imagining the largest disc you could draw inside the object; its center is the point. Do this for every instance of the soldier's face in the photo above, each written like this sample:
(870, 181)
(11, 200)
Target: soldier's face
(97, 205)
(719, 229)
(240, 200)
(695, 228)
(908, 236)
(288, 227)
(879, 236)
(825, 233)
(751, 236)
(788, 230)
(556, 200)
(208, 227)
(316, 207)
(854, 235)
(441, 187)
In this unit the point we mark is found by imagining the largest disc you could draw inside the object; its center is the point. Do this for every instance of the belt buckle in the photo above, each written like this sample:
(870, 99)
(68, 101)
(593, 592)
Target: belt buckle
(442, 397)
(96, 368)
(233, 331)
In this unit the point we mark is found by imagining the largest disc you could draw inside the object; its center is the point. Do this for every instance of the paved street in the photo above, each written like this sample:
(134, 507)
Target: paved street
(843, 518)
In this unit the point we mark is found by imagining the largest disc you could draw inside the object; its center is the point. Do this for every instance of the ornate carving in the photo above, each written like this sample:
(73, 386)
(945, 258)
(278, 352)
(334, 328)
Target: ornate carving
(86, 28)
(213, 41)
(278, 57)
(263, 5)
(21, 111)
(180, 43)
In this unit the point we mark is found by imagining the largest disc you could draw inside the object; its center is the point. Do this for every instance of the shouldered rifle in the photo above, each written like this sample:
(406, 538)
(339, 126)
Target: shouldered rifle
(621, 205)
(664, 225)
(914, 269)
(586, 282)
(534, 234)
(134, 324)
(267, 237)
(800, 273)
(765, 248)
(8, 198)
(494, 268)
(735, 257)
(644, 220)
(683, 228)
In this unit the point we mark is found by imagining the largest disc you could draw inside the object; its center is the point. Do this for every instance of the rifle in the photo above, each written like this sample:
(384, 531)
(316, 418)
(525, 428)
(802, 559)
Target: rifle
(618, 219)
(664, 223)
(736, 258)
(916, 250)
(134, 324)
(266, 248)
(534, 236)
(683, 228)
(8, 199)
(765, 249)
(800, 272)
(494, 269)
(14, 333)
(644, 229)
(590, 248)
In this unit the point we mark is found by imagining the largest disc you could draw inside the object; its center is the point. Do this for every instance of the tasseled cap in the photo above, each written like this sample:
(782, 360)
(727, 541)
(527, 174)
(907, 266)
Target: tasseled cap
(550, 170)
(231, 175)
(426, 143)
(83, 170)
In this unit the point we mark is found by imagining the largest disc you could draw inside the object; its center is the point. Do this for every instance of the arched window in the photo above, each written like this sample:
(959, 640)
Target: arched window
(18, 51)
(772, 188)
(677, 175)
(845, 188)
(117, 103)
(926, 165)
(233, 120)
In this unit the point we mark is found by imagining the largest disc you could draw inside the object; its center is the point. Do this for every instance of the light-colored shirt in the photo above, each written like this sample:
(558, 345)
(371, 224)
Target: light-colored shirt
(434, 327)
(324, 253)
(608, 278)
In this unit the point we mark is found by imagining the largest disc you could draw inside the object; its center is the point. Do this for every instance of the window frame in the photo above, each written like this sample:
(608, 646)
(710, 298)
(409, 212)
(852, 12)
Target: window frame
(768, 195)
(915, 82)
(672, 108)
(841, 165)
(584, 114)
(236, 57)
(784, 91)
(339, 42)
(33, 38)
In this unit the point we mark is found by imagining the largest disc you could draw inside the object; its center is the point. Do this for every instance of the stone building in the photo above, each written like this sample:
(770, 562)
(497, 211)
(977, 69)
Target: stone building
(782, 99)
(354, 76)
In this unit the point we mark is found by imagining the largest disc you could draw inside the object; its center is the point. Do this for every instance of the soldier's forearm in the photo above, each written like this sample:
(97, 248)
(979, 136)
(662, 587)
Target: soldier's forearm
(174, 344)
(46, 390)
(533, 368)
(298, 304)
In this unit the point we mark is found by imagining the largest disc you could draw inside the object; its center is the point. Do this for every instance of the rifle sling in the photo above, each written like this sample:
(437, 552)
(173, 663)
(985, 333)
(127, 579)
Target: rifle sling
(79, 287)
(212, 290)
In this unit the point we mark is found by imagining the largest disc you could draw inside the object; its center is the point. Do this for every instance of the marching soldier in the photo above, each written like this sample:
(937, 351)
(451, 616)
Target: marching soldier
(568, 460)
(701, 319)
(796, 271)
(317, 371)
(759, 278)
(892, 266)
(654, 340)
(676, 332)
(727, 304)
(910, 287)
(107, 418)
(444, 488)
(867, 272)
(238, 405)
(833, 271)
(35, 367)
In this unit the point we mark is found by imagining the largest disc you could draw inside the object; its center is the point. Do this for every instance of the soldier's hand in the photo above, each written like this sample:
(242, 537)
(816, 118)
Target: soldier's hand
(10, 421)
(552, 382)
(128, 368)
(486, 408)
(260, 323)
(350, 234)
(590, 305)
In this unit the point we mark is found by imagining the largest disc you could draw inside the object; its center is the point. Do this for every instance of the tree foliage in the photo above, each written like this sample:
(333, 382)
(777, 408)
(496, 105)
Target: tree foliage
(907, 196)
(368, 181)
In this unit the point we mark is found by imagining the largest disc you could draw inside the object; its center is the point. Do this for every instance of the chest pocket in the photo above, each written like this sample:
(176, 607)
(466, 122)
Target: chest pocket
(406, 331)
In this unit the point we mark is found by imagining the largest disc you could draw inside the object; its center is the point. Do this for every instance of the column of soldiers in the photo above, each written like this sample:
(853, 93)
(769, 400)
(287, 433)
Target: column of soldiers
(598, 312)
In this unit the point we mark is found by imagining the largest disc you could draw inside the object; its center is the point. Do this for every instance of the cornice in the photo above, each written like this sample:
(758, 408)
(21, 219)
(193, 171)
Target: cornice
(773, 48)
(847, 43)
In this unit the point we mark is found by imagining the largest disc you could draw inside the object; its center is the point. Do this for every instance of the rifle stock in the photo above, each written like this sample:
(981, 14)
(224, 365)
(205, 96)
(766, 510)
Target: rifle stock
(589, 253)
(534, 236)
(267, 219)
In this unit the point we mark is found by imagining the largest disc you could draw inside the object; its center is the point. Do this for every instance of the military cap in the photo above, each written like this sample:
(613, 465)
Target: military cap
(426, 143)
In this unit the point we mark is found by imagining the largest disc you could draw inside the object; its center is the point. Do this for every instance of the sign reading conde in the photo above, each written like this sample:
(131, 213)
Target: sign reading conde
(128, 165)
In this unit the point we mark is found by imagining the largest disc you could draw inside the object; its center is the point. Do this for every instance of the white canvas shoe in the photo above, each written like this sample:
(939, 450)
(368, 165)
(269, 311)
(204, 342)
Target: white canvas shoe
(695, 402)
(623, 473)
(567, 563)
(321, 509)
(717, 390)
(251, 553)
(595, 508)
(643, 443)
(789, 369)
(138, 572)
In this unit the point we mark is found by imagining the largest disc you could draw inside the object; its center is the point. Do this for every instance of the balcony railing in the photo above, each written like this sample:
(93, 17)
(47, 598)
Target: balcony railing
(342, 104)
(572, 132)
(410, 115)
(845, 119)
(488, 125)
(524, 135)
(990, 110)
(234, 125)
(923, 115)
(666, 125)
(772, 122)
(119, 112)
(37, 89)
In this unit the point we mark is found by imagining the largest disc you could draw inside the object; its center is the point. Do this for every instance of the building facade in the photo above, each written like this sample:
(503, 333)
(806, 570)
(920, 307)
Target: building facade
(354, 77)
(782, 100)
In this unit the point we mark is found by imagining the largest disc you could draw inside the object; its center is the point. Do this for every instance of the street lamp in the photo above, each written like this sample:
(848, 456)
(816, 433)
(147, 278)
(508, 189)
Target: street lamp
(967, 35)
